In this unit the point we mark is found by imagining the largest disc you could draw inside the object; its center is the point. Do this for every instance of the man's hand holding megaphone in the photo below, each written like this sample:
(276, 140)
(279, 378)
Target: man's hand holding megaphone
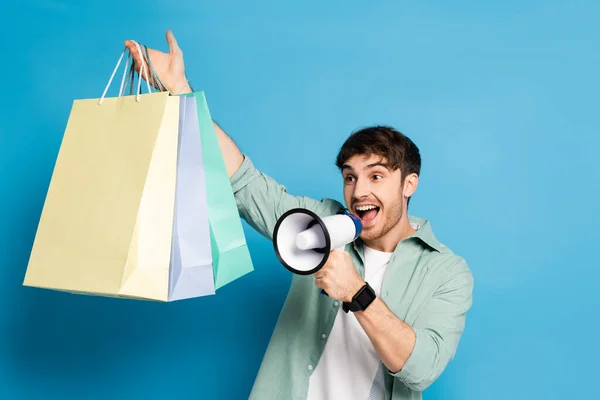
(338, 277)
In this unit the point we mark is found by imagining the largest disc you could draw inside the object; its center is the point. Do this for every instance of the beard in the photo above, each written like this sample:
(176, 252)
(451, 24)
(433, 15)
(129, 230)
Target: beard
(388, 219)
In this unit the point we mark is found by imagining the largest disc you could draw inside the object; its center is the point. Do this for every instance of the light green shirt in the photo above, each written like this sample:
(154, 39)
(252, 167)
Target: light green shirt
(426, 285)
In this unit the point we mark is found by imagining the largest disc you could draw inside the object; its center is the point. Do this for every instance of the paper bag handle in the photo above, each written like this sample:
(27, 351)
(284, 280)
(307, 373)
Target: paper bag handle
(156, 82)
(141, 74)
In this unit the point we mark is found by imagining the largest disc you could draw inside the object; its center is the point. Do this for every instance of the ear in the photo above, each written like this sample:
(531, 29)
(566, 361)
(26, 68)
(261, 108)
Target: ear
(410, 185)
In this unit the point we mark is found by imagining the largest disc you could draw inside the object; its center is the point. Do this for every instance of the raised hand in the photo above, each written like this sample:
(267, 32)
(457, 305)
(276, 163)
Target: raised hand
(169, 66)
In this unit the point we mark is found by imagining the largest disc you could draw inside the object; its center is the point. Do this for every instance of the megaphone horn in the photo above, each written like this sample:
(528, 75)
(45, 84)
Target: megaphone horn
(303, 240)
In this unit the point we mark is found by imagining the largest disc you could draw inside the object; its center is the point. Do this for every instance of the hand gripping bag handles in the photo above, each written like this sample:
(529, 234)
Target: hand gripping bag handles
(126, 212)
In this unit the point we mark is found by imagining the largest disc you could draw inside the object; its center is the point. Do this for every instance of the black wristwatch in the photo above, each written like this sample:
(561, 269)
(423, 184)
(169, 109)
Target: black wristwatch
(361, 300)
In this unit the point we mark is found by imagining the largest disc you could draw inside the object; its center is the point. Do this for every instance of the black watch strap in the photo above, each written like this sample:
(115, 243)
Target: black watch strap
(361, 300)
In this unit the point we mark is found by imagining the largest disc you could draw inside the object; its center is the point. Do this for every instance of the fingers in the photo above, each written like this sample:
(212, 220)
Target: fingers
(319, 283)
(130, 44)
(135, 52)
(173, 46)
(320, 274)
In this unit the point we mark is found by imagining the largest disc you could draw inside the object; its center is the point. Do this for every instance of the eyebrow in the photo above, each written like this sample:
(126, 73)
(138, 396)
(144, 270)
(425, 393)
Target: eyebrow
(373, 165)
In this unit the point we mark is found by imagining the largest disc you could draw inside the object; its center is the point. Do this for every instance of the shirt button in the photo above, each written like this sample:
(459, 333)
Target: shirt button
(323, 336)
(310, 367)
(336, 303)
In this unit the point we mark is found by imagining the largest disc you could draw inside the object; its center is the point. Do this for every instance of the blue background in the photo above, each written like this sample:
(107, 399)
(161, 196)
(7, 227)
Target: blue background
(502, 98)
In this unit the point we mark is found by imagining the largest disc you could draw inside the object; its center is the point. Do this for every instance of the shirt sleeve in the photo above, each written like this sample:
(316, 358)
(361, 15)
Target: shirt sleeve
(261, 201)
(438, 329)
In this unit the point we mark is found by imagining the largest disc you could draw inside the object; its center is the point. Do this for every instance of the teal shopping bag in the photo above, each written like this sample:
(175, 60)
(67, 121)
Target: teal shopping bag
(231, 257)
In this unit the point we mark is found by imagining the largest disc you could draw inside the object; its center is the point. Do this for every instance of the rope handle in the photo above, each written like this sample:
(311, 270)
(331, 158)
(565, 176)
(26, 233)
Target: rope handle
(141, 74)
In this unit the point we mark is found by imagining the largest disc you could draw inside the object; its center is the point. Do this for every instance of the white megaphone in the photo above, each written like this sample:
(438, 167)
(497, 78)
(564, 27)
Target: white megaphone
(303, 240)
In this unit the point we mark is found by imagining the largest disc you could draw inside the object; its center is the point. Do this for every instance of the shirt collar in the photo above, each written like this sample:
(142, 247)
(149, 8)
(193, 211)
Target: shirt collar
(424, 233)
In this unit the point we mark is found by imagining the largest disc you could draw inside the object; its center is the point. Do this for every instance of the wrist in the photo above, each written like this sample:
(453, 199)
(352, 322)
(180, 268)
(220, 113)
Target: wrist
(361, 300)
(354, 289)
(182, 86)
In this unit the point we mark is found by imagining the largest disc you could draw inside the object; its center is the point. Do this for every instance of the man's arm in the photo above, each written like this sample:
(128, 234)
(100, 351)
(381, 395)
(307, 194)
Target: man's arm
(419, 354)
(415, 355)
(231, 153)
(392, 338)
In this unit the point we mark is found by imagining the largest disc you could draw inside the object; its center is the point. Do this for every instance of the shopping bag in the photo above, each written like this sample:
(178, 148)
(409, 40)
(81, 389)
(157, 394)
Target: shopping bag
(191, 271)
(230, 254)
(115, 205)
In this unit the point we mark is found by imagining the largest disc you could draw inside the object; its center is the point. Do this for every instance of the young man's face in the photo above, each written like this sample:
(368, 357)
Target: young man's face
(374, 193)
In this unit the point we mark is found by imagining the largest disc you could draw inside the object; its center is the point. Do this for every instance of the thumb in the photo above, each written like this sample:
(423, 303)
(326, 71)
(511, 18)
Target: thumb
(173, 46)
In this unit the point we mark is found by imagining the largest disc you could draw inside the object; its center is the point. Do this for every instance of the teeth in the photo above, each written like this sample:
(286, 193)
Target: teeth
(365, 208)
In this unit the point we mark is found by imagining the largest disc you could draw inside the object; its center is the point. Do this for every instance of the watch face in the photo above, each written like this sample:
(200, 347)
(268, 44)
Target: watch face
(365, 297)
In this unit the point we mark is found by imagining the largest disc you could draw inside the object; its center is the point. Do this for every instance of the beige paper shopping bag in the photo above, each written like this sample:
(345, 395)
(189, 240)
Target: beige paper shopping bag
(107, 222)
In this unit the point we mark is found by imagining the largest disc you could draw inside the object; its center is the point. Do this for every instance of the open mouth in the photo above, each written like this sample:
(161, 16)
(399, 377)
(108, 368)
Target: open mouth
(366, 212)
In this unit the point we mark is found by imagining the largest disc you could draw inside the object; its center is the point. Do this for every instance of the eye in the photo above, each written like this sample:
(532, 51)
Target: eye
(348, 178)
(377, 177)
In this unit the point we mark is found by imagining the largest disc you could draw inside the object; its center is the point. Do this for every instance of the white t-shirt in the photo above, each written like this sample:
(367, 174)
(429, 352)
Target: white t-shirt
(349, 368)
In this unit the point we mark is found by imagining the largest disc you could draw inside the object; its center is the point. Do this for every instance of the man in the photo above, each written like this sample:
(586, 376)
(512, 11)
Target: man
(415, 292)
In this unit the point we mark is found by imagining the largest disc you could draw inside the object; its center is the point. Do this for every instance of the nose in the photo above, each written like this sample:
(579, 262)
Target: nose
(361, 189)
